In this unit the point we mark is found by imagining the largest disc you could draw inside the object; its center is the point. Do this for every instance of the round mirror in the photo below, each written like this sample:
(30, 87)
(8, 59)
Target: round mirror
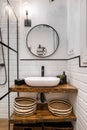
(42, 40)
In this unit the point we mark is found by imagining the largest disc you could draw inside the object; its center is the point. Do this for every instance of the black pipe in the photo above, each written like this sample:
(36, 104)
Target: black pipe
(42, 97)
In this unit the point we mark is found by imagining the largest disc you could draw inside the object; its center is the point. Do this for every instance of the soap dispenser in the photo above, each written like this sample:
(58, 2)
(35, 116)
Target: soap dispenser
(64, 78)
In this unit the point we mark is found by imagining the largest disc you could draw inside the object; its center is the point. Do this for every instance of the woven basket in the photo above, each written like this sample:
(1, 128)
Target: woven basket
(24, 101)
(24, 106)
(60, 107)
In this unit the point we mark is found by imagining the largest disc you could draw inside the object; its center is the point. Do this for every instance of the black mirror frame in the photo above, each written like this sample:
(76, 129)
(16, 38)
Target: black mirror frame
(29, 33)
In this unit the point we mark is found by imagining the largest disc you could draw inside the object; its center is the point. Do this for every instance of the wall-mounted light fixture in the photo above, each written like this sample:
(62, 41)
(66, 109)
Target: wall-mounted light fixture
(26, 8)
(27, 21)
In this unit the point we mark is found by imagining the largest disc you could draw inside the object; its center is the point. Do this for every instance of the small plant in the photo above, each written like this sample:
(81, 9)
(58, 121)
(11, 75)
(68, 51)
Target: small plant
(61, 78)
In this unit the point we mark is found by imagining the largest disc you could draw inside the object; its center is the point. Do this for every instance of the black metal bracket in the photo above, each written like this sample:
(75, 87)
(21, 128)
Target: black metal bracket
(2, 65)
(4, 95)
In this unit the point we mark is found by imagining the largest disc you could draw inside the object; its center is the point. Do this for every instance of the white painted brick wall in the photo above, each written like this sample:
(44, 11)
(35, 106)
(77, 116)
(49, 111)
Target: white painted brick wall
(78, 77)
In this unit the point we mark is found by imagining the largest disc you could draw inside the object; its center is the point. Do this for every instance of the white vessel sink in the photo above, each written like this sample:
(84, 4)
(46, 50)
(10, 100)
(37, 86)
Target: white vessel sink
(42, 81)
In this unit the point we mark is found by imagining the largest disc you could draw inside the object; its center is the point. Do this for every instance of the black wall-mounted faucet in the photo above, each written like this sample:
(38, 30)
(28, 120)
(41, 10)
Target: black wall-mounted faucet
(42, 71)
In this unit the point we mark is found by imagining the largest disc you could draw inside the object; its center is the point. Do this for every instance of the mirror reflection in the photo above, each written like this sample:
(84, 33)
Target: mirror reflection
(42, 40)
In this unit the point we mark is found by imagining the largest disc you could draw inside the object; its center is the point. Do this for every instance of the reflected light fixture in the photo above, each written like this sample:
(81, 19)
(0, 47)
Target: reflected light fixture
(8, 9)
(51, 0)
(27, 21)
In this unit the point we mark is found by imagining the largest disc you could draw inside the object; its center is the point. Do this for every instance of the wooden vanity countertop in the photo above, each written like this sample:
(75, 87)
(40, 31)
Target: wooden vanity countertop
(64, 88)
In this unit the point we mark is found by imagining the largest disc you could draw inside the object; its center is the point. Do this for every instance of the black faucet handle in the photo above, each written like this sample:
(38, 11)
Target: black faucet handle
(42, 71)
(42, 67)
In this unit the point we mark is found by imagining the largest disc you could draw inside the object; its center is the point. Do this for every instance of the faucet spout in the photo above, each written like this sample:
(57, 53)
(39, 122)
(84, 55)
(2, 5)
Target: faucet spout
(42, 71)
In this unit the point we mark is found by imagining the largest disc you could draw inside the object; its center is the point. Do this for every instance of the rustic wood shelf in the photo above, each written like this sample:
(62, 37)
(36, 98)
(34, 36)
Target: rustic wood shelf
(66, 88)
(41, 115)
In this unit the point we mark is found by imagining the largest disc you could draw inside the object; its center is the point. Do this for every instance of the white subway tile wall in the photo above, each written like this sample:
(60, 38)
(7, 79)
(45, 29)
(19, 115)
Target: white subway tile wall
(13, 60)
(33, 68)
(78, 77)
(3, 88)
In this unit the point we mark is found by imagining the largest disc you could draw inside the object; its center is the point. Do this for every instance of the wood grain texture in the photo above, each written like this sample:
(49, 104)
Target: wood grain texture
(41, 115)
(4, 124)
(66, 88)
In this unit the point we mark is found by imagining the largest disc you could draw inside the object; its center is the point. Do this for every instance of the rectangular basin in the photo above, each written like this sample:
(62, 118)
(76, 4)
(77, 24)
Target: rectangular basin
(42, 81)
